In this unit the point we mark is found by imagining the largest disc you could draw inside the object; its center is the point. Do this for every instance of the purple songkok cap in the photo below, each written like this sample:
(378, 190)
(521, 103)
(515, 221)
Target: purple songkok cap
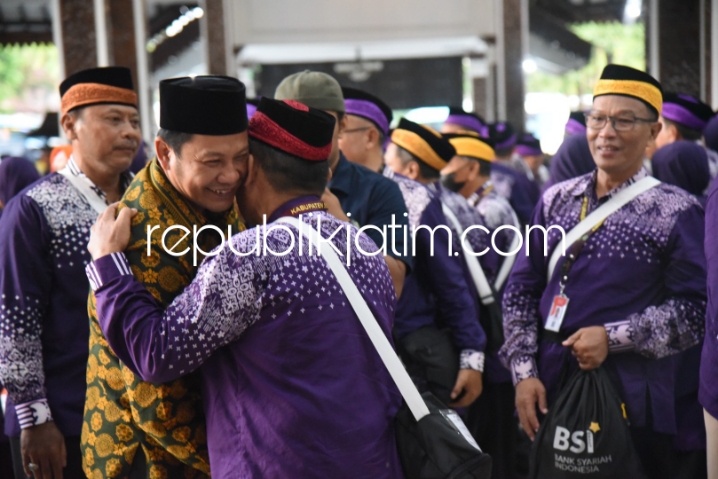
(683, 164)
(466, 121)
(710, 133)
(368, 110)
(251, 110)
(574, 127)
(683, 116)
(525, 150)
(507, 143)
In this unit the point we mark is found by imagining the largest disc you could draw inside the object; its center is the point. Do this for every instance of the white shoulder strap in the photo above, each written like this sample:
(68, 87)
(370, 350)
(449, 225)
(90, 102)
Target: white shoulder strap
(376, 334)
(509, 261)
(472, 262)
(97, 203)
(616, 202)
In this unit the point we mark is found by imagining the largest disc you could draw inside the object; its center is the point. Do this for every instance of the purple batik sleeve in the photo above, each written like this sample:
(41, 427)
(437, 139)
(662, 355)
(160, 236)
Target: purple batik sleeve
(25, 272)
(447, 282)
(677, 323)
(160, 346)
(521, 300)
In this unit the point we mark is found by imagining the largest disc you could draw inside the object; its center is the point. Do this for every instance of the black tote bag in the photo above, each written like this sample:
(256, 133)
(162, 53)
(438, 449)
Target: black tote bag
(438, 446)
(585, 434)
(432, 441)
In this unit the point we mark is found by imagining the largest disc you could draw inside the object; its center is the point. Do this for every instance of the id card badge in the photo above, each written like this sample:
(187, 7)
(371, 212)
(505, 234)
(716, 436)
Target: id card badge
(557, 313)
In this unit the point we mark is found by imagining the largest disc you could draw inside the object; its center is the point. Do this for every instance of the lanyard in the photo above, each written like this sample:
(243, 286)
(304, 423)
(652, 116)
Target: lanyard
(480, 195)
(575, 249)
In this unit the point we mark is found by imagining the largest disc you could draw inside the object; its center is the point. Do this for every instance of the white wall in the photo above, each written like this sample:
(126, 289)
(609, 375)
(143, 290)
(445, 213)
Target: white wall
(297, 21)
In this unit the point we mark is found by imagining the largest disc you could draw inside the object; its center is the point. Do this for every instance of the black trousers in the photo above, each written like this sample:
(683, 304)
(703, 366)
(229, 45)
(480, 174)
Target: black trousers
(6, 469)
(74, 459)
(431, 360)
(661, 460)
(493, 424)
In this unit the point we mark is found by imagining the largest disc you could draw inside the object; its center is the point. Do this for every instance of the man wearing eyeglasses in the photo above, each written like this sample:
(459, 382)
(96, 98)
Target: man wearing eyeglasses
(354, 193)
(632, 289)
(367, 128)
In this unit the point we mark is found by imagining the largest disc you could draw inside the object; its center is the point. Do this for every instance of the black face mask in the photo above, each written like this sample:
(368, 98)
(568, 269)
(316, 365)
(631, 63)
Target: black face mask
(449, 182)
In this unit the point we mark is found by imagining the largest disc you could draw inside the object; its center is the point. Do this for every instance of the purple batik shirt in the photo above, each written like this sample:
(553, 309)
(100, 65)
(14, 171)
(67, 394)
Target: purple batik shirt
(476, 241)
(495, 212)
(44, 330)
(708, 392)
(292, 385)
(641, 275)
(436, 288)
(521, 192)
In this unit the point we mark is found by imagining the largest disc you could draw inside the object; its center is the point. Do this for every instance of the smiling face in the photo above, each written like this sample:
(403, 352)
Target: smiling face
(620, 152)
(208, 169)
(105, 137)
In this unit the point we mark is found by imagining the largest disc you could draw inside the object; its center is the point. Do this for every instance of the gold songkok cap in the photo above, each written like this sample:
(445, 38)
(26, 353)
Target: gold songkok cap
(425, 143)
(472, 146)
(627, 81)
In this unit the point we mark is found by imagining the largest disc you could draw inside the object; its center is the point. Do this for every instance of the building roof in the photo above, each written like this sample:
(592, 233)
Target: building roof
(25, 22)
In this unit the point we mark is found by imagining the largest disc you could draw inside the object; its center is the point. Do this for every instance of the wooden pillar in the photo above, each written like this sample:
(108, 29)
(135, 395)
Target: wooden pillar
(79, 49)
(214, 32)
(125, 22)
(511, 55)
(706, 56)
(481, 106)
(713, 53)
(679, 47)
(122, 36)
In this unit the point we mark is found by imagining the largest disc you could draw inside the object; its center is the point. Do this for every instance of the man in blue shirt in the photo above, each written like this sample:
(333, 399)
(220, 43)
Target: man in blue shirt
(354, 193)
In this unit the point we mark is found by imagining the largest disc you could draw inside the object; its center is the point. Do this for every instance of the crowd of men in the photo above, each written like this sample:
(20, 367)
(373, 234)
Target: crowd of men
(194, 356)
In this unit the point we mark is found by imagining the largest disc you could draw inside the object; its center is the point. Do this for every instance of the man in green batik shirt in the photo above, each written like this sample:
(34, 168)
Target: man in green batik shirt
(132, 428)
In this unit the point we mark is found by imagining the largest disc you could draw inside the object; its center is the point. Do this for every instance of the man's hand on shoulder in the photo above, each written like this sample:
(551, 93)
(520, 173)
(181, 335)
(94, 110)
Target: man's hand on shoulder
(111, 232)
(334, 208)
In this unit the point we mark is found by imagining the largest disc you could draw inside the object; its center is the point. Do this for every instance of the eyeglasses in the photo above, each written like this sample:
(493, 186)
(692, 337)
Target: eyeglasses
(354, 130)
(624, 122)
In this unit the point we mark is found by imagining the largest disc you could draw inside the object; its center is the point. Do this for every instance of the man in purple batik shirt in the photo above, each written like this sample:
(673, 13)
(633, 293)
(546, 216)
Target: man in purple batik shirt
(44, 330)
(635, 284)
(292, 385)
(440, 338)
(708, 391)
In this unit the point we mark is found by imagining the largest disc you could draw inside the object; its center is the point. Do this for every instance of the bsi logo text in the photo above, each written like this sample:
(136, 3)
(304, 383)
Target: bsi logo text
(577, 441)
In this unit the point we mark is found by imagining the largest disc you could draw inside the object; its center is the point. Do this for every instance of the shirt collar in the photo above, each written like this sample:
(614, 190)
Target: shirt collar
(298, 206)
(341, 179)
(125, 178)
(587, 185)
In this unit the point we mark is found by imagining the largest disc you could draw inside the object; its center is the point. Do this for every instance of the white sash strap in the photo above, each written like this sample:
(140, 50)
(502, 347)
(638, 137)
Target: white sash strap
(509, 261)
(376, 334)
(97, 203)
(616, 202)
(472, 262)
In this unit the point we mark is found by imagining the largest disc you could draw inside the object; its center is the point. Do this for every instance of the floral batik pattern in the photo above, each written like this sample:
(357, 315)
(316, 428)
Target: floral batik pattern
(124, 415)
